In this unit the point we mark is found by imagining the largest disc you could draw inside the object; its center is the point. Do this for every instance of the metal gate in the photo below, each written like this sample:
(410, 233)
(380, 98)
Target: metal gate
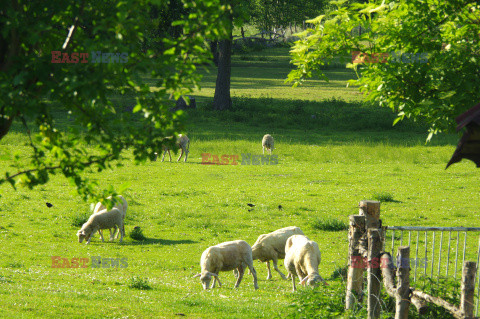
(430, 263)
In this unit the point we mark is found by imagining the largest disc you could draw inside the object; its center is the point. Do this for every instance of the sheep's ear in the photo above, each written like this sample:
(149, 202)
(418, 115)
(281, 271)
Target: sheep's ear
(197, 275)
(304, 281)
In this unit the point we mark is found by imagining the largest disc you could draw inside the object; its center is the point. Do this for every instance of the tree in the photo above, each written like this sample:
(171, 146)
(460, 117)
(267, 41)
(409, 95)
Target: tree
(235, 14)
(37, 81)
(420, 58)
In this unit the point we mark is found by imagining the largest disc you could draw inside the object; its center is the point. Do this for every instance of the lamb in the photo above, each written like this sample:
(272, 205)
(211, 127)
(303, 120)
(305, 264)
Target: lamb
(104, 219)
(267, 143)
(121, 204)
(225, 257)
(184, 143)
(302, 258)
(272, 247)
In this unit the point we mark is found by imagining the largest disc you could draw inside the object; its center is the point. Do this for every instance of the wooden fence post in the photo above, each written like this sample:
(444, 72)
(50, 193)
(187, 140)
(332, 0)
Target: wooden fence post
(371, 210)
(374, 273)
(402, 295)
(355, 262)
(468, 288)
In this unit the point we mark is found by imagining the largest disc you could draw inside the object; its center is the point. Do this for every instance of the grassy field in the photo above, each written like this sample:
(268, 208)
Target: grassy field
(333, 152)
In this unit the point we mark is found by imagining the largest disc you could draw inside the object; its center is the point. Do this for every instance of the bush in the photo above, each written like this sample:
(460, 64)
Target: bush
(329, 224)
(79, 219)
(137, 234)
(384, 197)
(139, 283)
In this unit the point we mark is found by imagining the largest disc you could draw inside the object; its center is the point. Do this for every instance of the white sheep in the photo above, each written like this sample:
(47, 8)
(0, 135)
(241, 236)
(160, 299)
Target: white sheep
(272, 247)
(267, 143)
(104, 219)
(225, 257)
(302, 257)
(121, 204)
(184, 143)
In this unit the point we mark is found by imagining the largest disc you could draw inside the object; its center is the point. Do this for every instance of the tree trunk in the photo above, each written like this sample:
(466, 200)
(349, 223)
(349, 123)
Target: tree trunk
(214, 50)
(243, 32)
(221, 99)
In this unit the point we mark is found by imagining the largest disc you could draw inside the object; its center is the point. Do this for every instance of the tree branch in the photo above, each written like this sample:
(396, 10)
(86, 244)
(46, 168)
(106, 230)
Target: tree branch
(51, 168)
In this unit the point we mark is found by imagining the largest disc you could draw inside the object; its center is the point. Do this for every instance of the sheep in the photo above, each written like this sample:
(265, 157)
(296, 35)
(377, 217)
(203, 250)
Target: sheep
(267, 143)
(272, 247)
(104, 219)
(184, 143)
(225, 257)
(121, 204)
(302, 258)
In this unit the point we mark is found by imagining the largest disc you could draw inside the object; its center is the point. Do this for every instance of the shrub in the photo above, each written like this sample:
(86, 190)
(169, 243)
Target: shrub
(329, 224)
(137, 234)
(139, 283)
(383, 197)
(79, 219)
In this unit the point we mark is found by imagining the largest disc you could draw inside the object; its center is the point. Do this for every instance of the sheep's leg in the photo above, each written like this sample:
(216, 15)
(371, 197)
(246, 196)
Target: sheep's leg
(275, 266)
(181, 154)
(164, 153)
(293, 283)
(263, 148)
(240, 276)
(215, 279)
(269, 276)
(170, 155)
(254, 274)
(122, 231)
(187, 151)
(101, 235)
(112, 235)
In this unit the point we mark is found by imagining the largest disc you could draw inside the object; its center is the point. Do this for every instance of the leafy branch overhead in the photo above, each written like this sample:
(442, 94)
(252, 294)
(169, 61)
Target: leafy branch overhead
(436, 88)
(34, 91)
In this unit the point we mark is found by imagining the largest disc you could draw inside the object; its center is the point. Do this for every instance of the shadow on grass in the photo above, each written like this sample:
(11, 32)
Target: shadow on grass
(159, 241)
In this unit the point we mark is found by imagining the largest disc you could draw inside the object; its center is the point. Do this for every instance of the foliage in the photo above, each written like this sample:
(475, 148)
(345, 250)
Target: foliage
(329, 224)
(33, 89)
(137, 282)
(269, 15)
(429, 49)
(383, 197)
(137, 234)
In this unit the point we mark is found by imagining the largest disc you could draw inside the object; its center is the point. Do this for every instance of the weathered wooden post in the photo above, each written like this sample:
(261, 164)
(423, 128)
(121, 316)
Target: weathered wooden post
(468, 288)
(355, 262)
(374, 273)
(371, 210)
(403, 283)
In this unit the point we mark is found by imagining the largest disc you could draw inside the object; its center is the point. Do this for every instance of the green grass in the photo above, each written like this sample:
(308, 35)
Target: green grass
(328, 163)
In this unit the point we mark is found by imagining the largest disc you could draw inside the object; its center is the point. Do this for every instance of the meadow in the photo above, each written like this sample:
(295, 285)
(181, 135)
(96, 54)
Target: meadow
(333, 150)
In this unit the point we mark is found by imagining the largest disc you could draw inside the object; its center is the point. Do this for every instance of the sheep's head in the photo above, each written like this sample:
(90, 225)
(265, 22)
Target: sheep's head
(312, 280)
(206, 278)
(256, 251)
(83, 234)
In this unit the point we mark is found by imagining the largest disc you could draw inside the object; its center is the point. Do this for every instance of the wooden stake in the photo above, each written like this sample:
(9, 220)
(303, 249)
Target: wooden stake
(468, 288)
(403, 279)
(374, 273)
(355, 262)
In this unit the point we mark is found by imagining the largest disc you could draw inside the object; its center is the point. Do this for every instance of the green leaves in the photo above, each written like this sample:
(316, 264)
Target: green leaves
(98, 96)
(431, 72)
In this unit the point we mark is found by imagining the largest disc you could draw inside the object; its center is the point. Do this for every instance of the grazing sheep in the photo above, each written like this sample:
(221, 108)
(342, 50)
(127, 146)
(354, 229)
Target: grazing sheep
(121, 204)
(272, 247)
(225, 257)
(302, 258)
(184, 143)
(104, 219)
(267, 143)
